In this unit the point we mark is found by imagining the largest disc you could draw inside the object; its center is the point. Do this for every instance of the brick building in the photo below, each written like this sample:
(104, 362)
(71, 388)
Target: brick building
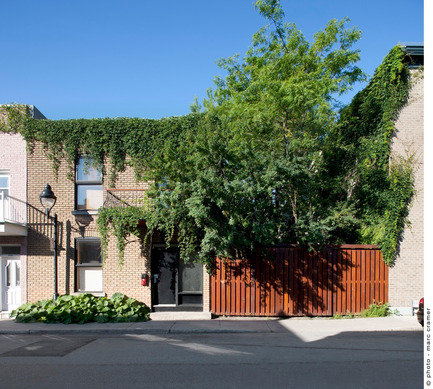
(13, 219)
(171, 285)
(406, 278)
(26, 239)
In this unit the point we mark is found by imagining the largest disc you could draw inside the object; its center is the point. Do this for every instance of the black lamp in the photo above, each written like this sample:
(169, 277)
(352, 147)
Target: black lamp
(47, 199)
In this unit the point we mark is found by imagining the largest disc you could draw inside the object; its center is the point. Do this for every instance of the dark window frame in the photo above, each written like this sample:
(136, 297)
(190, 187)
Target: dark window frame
(78, 266)
(80, 183)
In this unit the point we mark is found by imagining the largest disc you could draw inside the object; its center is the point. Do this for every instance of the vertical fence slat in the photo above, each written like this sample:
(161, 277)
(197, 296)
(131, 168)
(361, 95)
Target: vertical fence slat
(248, 289)
(358, 283)
(223, 287)
(253, 289)
(295, 293)
(302, 292)
(270, 286)
(291, 284)
(329, 281)
(279, 280)
(243, 289)
(314, 294)
(385, 279)
(362, 280)
(376, 281)
(353, 284)
(337, 279)
(368, 275)
(232, 289)
(285, 286)
(344, 266)
(381, 277)
(258, 287)
(326, 283)
(348, 277)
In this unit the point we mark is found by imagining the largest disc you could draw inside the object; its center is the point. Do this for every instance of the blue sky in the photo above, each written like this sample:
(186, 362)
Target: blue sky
(142, 58)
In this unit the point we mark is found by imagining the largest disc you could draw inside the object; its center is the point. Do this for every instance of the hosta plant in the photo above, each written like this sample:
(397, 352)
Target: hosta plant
(83, 308)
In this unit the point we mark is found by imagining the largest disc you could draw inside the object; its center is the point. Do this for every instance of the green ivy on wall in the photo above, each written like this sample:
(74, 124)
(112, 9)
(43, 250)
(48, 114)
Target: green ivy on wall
(382, 192)
(121, 141)
(121, 223)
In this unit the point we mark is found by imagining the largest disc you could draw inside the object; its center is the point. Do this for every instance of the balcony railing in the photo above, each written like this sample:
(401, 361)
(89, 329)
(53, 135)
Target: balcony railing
(12, 209)
(124, 198)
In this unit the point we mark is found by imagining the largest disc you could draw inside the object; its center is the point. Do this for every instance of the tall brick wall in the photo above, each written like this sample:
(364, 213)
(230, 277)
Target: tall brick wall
(125, 279)
(40, 268)
(40, 256)
(13, 159)
(406, 278)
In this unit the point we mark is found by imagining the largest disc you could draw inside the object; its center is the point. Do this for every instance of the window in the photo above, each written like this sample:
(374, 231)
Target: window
(4, 192)
(10, 250)
(88, 186)
(13, 274)
(88, 264)
(190, 283)
(4, 184)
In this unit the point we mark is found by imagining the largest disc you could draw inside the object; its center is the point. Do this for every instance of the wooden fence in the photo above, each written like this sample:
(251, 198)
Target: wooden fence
(295, 282)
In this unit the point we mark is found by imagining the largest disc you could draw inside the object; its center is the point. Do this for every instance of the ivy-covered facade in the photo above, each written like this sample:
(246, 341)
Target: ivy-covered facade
(406, 277)
(148, 270)
(105, 175)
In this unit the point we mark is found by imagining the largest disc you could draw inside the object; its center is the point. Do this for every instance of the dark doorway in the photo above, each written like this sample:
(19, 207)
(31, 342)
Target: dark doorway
(176, 285)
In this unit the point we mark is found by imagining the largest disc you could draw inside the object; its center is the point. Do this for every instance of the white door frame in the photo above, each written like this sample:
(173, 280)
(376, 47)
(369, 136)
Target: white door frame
(17, 266)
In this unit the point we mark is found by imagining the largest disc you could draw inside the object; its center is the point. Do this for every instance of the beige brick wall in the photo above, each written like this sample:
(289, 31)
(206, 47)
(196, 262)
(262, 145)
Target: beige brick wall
(406, 278)
(13, 160)
(41, 274)
(40, 257)
(125, 279)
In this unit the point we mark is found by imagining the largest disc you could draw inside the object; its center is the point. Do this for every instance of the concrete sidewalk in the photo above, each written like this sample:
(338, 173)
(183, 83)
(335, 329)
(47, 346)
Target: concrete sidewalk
(305, 328)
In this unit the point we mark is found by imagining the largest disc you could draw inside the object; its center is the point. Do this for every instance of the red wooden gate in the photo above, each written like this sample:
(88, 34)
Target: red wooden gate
(295, 282)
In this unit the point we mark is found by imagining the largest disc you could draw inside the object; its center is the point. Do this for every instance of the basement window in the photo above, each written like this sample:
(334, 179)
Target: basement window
(88, 265)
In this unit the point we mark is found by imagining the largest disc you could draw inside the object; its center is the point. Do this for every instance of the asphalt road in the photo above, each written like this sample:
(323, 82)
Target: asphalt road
(387, 359)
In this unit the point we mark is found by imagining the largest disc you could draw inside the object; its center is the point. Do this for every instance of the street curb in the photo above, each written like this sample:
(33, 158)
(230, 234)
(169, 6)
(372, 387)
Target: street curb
(127, 332)
(223, 326)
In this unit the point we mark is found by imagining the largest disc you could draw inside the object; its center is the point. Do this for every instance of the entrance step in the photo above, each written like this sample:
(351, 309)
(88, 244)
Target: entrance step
(180, 316)
(5, 315)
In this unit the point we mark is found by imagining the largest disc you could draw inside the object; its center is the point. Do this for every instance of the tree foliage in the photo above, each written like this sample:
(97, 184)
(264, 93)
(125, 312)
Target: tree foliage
(270, 160)
(254, 174)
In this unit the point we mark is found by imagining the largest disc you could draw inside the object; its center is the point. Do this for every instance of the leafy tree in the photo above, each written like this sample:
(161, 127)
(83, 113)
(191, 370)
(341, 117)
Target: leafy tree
(253, 174)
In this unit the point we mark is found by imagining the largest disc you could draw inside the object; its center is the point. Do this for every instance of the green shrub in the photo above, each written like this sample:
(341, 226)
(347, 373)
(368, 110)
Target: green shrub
(374, 310)
(377, 310)
(83, 308)
(347, 316)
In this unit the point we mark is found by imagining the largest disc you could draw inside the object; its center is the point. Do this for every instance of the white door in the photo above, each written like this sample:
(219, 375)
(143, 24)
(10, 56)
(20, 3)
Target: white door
(11, 283)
